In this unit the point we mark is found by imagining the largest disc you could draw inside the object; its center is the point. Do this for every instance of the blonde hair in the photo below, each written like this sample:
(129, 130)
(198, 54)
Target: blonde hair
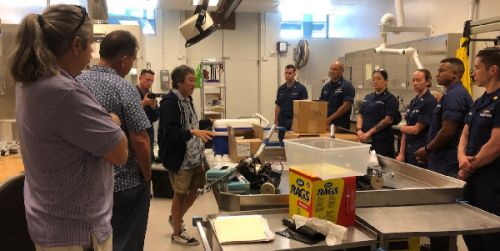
(43, 38)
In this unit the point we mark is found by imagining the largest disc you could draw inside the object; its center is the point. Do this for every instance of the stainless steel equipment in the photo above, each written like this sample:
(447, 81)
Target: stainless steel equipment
(357, 236)
(359, 64)
(412, 202)
(405, 185)
(449, 219)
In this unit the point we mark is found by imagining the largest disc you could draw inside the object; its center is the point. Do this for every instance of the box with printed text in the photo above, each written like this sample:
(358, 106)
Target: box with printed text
(329, 199)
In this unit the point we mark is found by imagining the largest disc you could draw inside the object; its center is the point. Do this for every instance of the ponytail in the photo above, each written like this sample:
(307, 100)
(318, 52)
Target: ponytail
(31, 60)
(43, 38)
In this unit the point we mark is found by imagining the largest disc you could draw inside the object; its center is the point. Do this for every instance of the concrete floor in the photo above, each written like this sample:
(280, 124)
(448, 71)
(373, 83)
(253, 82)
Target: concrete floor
(159, 231)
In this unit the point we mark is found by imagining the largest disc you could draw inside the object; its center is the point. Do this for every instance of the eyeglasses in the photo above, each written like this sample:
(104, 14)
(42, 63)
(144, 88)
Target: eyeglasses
(82, 20)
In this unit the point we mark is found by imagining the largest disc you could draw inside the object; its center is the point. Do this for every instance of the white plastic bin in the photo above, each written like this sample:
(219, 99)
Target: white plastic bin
(317, 155)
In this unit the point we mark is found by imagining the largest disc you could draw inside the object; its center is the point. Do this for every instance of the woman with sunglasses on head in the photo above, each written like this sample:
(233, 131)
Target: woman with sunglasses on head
(418, 117)
(379, 110)
(69, 141)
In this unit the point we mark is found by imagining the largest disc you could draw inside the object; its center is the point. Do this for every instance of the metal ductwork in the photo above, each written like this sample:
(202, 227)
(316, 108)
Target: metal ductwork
(98, 11)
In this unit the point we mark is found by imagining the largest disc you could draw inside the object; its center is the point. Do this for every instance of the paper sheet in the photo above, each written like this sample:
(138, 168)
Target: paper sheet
(241, 229)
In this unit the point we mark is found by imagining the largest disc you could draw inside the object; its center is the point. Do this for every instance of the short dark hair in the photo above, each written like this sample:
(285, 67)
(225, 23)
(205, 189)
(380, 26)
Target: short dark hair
(179, 75)
(117, 44)
(490, 56)
(457, 63)
(147, 71)
(427, 76)
(382, 72)
(290, 66)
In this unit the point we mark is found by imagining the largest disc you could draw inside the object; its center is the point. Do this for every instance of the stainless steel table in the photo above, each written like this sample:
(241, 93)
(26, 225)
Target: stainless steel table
(357, 236)
(410, 185)
(427, 220)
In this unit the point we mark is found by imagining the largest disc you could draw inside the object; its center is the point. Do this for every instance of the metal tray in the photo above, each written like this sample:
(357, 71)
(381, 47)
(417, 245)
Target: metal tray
(410, 185)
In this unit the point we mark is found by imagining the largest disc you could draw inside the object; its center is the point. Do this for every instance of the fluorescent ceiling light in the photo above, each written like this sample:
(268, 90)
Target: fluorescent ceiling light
(128, 22)
(210, 2)
(301, 7)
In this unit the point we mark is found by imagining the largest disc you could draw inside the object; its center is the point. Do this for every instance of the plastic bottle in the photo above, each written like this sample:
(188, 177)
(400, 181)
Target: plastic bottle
(373, 160)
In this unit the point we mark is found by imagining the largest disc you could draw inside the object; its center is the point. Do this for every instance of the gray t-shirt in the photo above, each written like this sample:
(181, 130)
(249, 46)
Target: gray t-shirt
(68, 190)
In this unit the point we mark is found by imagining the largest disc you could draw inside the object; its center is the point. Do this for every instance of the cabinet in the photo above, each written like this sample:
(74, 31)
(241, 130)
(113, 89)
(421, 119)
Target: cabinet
(360, 64)
(213, 89)
(354, 69)
(372, 61)
(397, 68)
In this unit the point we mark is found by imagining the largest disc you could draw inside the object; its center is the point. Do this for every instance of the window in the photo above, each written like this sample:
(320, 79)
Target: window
(12, 12)
(316, 19)
(139, 12)
(341, 26)
(304, 26)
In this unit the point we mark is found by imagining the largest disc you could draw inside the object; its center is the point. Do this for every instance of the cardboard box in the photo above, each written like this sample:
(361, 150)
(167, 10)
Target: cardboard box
(309, 116)
(297, 135)
(243, 143)
(220, 143)
(345, 136)
(329, 199)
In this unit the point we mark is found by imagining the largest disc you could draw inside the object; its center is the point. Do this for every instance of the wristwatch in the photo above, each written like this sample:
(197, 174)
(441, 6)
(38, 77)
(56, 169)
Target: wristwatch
(427, 149)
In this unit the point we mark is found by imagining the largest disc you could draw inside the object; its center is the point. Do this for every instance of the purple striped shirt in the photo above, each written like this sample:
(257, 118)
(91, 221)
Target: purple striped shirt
(64, 132)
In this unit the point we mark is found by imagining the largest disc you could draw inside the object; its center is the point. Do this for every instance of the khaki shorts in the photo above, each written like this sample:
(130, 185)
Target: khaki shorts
(187, 179)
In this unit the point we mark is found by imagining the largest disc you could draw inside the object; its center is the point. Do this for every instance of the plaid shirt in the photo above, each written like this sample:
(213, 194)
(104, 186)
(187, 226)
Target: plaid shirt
(119, 96)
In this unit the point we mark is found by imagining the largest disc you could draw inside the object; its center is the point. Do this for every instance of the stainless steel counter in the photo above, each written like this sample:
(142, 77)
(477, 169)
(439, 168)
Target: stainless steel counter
(413, 202)
(357, 236)
(450, 219)
(409, 185)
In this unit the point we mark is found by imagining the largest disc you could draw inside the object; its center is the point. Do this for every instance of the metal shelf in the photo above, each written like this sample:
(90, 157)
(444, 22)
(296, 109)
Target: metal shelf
(213, 88)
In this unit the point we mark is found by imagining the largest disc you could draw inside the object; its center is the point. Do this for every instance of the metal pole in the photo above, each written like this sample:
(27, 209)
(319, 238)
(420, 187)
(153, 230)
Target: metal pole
(203, 236)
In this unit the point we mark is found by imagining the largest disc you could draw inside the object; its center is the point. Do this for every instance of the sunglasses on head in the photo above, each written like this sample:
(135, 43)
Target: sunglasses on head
(82, 19)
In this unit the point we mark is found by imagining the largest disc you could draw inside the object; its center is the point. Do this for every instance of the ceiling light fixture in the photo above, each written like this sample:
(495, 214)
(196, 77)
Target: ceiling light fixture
(211, 3)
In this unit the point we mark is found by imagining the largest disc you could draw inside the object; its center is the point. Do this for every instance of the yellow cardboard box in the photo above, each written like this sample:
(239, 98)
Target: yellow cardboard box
(329, 199)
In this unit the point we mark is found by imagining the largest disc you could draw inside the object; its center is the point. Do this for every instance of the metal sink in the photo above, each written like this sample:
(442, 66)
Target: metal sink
(410, 185)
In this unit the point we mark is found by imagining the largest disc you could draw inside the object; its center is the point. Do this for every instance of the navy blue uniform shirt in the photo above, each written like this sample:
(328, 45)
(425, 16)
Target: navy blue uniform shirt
(374, 108)
(336, 93)
(419, 111)
(284, 99)
(454, 105)
(483, 117)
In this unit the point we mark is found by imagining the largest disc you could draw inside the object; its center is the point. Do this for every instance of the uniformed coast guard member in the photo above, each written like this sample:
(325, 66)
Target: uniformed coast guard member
(288, 92)
(418, 117)
(340, 94)
(479, 148)
(447, 120)
(377, 113)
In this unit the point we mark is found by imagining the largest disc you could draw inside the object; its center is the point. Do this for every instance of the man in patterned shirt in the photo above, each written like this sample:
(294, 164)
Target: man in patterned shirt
(118, 51)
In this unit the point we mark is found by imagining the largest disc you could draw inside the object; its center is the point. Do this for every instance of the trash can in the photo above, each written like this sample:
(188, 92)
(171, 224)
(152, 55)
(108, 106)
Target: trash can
(161, 183)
